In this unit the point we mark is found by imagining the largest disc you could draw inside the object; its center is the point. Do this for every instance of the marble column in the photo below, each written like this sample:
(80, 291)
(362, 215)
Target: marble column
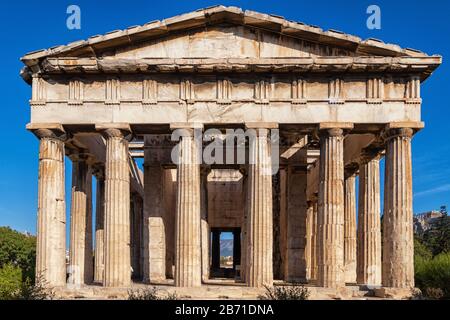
(206, 234)
(350, 229)
(309, 250)
(259, 223)
(398, 241)
(136, 235)
(170, 199)
(315, 241)
(80, 251)
(117, 209)
(369, 233)
(51, 214)
(295, 265)
(331, 209)
(244, 227)
(188, 263)
(99, 264)
(154, 230)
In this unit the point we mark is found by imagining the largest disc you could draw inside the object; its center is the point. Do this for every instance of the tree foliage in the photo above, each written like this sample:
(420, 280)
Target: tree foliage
(18, 250)
(437, 238)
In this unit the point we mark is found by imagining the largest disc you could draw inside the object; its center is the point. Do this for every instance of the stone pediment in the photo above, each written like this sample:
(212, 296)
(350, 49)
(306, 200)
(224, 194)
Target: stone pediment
(227, 41)
(222, 32)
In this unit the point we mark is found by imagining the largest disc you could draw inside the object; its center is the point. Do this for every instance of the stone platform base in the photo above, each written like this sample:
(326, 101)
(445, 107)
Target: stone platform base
(213, 290)
(394, 293)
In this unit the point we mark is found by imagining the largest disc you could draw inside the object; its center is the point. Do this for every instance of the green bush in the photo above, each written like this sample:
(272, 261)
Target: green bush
(19, 250)
(288, 292)
(13, 287)
(433, 274)
(10, 281)
(150, 294)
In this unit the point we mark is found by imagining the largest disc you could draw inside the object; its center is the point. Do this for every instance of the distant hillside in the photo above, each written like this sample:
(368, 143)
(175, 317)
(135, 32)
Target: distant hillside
(226, 247)
(424, 221)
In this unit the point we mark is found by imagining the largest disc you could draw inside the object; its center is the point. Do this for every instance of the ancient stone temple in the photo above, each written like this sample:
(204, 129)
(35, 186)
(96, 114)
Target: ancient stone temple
(339, 105)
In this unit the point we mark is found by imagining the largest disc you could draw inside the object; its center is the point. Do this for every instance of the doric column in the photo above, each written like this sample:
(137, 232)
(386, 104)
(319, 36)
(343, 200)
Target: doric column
(259, 221)
(136, 234)
(51, 215)
(188, 264)
(244, 226)
(99, 265)
(350, 229)
(369, 233)
(154, 230)
(295, 265)
(117, 207)
(309, 250)
(315, 241)
(331, 208)
(398, 242)
(205, 231)
(170, 199)
(80, 252)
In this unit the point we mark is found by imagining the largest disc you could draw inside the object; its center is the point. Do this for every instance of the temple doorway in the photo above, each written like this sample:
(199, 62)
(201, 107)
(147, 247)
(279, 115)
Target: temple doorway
(225, 252)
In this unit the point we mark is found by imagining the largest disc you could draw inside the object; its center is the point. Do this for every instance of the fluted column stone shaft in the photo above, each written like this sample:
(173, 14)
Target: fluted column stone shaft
(398, 241)
(331, 209)
(295, 267)
(206, 234)
(309, 239)
(99, 254)
(80, 252)
(188, 264)
(244, 229)
(369, 233)
(154, 229)
(117, 210)
(259, 223)
(314, 241)
(136, 235)
(51, 214)
(350, 229)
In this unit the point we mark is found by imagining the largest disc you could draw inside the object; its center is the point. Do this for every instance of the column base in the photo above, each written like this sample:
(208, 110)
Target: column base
(394, 293)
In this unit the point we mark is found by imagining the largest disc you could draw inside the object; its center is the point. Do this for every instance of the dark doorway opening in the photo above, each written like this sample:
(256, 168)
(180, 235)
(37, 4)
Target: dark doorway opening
(225, 252)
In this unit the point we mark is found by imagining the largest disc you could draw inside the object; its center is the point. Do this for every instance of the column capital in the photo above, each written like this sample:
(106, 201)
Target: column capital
(334, 129)
(351, 170)
(369, 154)
(47, 130)
(80, 155)
(98, 170)
(205, 170)
(390, 133)
(114, 130)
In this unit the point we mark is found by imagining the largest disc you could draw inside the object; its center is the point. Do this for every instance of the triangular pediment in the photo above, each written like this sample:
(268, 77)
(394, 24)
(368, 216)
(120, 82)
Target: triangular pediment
(227, 41)
(222, 32)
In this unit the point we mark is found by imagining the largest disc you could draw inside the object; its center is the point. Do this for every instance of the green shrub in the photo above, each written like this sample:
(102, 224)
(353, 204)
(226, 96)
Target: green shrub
(433, 274)
(288, 292)
(150, 294)
(12, 287)
(19, 250)
(10, 281)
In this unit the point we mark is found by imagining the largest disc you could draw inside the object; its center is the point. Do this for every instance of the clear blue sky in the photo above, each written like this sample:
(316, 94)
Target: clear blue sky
(30, 25)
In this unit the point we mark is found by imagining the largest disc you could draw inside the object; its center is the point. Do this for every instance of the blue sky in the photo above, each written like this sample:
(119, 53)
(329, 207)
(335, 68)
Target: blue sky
(29, 25)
